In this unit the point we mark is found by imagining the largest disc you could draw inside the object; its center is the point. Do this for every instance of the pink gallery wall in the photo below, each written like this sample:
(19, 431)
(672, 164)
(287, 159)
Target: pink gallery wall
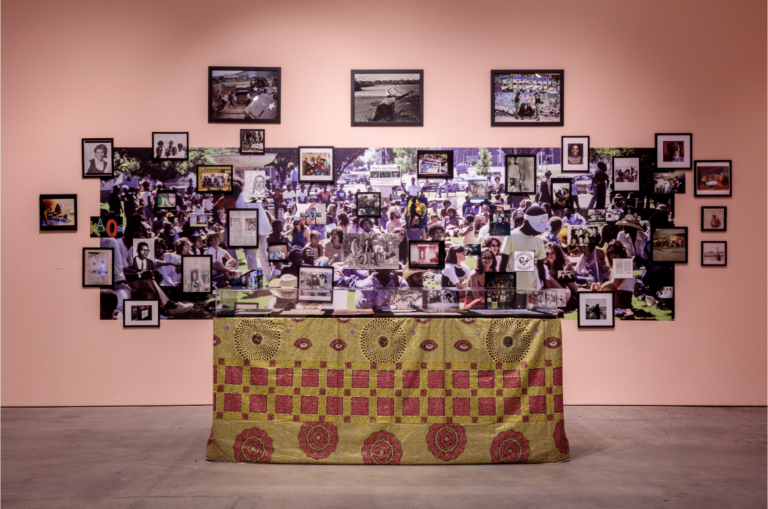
(84, 68)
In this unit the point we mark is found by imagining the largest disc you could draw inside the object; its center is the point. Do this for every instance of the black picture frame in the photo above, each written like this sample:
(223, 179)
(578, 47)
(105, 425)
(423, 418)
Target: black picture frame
(284, 245)
(560, 88)
(581, 320)
(507, 177)
(565, 165)
(711, 194)
(414, 264)
(384, 108)
(250, 151)
(229, 242)
(265, 116)
(635, 186)
(367, 214)
(556, 205)
(166, 206)
(725, 253)
(669, 165)
(449, 162)
(46, 214)
(170, 133)
(312, 268)
(111, 252)
(654, 259)
(110, 155)
(184, 290)
(225, 168)
(128, 302)
(325, 179)
(704, 220)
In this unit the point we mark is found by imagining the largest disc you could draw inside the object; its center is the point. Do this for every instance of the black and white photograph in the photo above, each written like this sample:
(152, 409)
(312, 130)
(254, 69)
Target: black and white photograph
(669, 245)
(713, 178)
(477, 189)
(244, 94)
(561, 193)
(426, 254)
(141, 313)
(541, 300)
(622, 268)
(196, 274)
(255, 186)
(370, 251)
(98, 267)
(434, 164)
(387, 97)
(520, 174)
(98, 154)
(674, 151)
(385, 175)
(714, 219)
(214, 179)
(143, 257)
(252, 141)
(58, 212)
(529, 97)
(581, 235)
(406, 300)
(165, 199)
(668, 183)
(562, 297)
(626, 174)
(368, 204)
(595, 309)
(316, 165)
(277, 252)
(575, 154)
(243, 228)
(314, 214)
(316, 284)
(170, 146)
(524, 261)
(199, 220)
(500, 221)
(714, 253)
(442, 299)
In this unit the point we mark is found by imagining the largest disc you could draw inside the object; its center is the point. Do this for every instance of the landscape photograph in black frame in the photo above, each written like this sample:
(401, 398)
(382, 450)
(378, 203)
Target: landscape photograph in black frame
(434, 164)
(527, 97)
(368, 204)
(244, 94)
(669, 245)
(387, 97)
(58, 212)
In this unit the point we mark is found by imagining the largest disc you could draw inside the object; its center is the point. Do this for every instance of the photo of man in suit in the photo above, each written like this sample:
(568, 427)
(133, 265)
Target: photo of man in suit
(141, 261)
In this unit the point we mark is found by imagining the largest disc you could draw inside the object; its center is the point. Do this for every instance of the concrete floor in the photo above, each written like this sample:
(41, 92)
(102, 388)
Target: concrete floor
(622, 457)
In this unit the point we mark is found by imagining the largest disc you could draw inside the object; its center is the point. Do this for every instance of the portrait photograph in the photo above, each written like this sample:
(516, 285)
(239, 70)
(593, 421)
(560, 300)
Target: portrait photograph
(575, 154)
(98, 267)
(674, 151)
(58, 212)
(714, 219)
(595, 309)
(316, 165)
(426, 254)
(141, 313)
(170, 146)
(243, 228)
(368, 204)
(98, 155)
(252, 141)
(387, 97)
(316, 284)
(713, 178)
(668, 183)
(477, 189)
(244, 94)
(626, 174)
(520, 174)
(165, 199)
(527, 97)
(277, 252)
(561, 193)
(370, 251)
(406, 300)
(434, 164)
(714, 253)
(669, 245)
(214, 179)
(255, 186)
(196, 274)
(314, 214)
(143, 256)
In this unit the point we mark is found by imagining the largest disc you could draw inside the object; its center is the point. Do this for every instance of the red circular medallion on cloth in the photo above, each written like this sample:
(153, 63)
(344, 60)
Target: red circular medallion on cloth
(382, 448)
(560, 440)
(446, 441)
(303, 344)
(510, 447)
(428, 345)
(253, 446)
(338, 345)
(318, 439)
(553, 342)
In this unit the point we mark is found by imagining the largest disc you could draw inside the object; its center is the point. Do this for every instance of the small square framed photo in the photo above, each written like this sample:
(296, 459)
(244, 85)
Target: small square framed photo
(714, 219)
(520, 174)
(196, 274)
(244, 94)
(98, 157)
(500, 290)
(477, 189)
(98, 267)
(165, 199)
(277, 252)
(596, 309)
(170, 146)
(316, 283)
(368, 204)
(58, 212)
(668, 183)
(575, 154)
(712, 178)
(670, 245)
(434, 164)
(674, 151)
(561, 194)
(626, 174)
(252, 141)
(527, 97)
(388, 97)
(714, 253)
(214, 179)
(316, 165)
(426, 254)
(141, 313)
(243, 228)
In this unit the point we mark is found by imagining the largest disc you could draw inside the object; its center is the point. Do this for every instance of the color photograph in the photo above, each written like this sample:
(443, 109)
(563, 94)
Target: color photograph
(713, 178)
(244, 94)
(670, 245)
(674, 151)
(626, 174)
(668, 183)
(714, 219)
(214, 179)
(434, 164)
(316, 164)
(58, 212)
(714, 253)
(527, 97)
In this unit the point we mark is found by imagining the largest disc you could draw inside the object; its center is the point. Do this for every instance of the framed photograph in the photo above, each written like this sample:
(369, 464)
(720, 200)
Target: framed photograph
(98, 267)
(714, 253)
(426, 254)
(387, 97)
(524, 261)
(199, 220)
(244, 94)
(674, 151)
(622, 269)
(252, 141)
(434, 164)
(196, 274)
(626, 174)
(670, 245)
(406, 300)
(713, 178)
(277, 252)
(520, 174)
(314, 214)
(714, 219)
(368, 204)
(170, 146)
(386, 175)
(102, 227)
(500, 221)
(500, 290)
(595, 309)
(370, 251)
(58, 212)
(316, 283)
(214, 179)
(527, 97)
(316, 165)
(575, 154)
(582, 235)
(143, 256)
(668, 183)
(165, 199)
(444, 300)
(477, 189)
(141, 313)
(243, 228)
(255, 186)
(98, 157)
(561, 193)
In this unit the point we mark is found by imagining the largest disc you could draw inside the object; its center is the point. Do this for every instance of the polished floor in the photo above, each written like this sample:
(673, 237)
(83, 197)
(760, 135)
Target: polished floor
(154, 457)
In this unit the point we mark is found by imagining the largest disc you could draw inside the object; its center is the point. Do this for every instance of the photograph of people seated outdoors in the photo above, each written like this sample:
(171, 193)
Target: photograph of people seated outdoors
(620, 228)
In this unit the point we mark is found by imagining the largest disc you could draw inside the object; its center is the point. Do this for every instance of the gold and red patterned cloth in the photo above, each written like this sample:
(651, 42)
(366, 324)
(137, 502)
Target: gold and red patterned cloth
(387, 390)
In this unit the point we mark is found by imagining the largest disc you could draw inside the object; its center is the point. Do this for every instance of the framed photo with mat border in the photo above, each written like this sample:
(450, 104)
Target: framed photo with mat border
(111, 251)
(584, 322)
